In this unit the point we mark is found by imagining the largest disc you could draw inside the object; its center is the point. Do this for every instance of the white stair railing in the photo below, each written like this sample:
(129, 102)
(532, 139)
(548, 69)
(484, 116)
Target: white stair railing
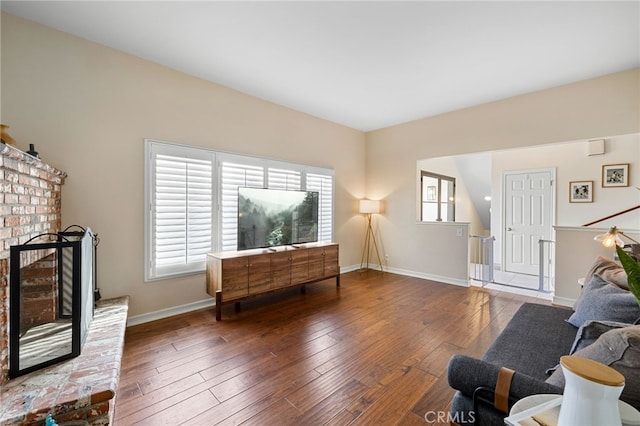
(481, 258)
(545, 280)
(481, 263)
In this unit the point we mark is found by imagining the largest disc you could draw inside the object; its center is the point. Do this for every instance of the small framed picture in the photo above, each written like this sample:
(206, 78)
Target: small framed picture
(615, 175)
(581, 191)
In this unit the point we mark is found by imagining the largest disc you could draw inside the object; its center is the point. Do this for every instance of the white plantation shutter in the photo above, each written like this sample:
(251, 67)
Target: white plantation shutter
(192, 208)
(284, 179)
(233, 175)
(324, 185)
(279, 175)
(180, 211)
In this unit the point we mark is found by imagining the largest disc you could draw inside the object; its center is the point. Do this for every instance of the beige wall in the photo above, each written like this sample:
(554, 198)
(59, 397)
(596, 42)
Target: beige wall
(608, 105)
(87, 109)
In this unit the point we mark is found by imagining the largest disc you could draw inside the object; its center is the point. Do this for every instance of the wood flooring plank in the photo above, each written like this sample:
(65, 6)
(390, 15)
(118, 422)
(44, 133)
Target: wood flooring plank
(398, 398)
(183, 411)
(145, 411)
(247, 404)
(343, 418)
(437, 399)
(436, 362)
(280, 412)
(374, 393)
(325, 410)
(127, 392)
(250, 378)
(373, 351)
(412, 419)
(132, 405)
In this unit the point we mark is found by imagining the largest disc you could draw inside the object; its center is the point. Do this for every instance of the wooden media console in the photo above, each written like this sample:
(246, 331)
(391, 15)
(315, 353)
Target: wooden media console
(237, 275)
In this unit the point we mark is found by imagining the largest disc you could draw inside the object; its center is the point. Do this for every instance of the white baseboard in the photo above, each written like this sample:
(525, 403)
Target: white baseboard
(349, 269)
(423, 275)
(408, 273)
(169, 312)
(563, 301)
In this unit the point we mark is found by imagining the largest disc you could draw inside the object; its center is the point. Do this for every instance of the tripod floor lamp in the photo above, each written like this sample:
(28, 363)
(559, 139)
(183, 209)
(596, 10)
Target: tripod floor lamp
(368, 208)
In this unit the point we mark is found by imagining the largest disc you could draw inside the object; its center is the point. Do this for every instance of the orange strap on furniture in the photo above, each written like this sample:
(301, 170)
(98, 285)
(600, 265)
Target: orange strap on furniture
(501, 399)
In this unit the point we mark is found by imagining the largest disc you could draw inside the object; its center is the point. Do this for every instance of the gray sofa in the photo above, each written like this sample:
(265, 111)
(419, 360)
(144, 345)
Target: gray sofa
(601, 328)
(532, 342)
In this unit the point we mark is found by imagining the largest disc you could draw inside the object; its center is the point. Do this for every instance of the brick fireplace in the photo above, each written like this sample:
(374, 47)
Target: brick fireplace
(80, 390)
(30, 193)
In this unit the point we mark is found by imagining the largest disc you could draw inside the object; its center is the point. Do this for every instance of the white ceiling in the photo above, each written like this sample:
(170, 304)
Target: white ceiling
(366, 65)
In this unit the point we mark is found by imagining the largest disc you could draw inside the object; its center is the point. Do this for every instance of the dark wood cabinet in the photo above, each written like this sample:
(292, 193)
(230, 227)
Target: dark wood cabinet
(233, 276)
(323, 262)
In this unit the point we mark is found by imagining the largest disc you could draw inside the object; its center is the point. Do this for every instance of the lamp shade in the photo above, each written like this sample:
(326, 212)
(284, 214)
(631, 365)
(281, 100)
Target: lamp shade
(609, 240)
(369, 206)
(612, 238)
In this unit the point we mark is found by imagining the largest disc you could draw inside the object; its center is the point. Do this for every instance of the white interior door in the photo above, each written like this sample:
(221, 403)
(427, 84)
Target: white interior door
(528, 210)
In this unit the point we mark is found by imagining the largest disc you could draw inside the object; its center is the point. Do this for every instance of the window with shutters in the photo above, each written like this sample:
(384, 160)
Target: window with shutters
(323, 183)
(180, 209)
(191, 196)
(232, 175)
(239, 171)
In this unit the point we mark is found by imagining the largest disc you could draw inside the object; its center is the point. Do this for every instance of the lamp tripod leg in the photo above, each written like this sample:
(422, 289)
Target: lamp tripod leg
(367, 245)
(375, 245)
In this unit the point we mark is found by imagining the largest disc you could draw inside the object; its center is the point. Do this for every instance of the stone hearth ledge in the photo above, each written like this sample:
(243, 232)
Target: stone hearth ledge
(81, 389)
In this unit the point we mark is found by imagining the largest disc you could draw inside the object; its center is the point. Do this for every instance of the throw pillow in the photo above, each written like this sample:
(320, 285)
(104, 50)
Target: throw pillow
(619, 349)
(590, 331)
(601, 301)
(610, 271)
(587, 334)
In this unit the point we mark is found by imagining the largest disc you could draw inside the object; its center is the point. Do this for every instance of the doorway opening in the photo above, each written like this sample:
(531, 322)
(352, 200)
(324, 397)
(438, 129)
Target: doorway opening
(519, 253)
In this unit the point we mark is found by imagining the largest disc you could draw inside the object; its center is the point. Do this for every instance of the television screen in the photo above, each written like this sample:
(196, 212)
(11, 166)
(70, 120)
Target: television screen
(275, 217)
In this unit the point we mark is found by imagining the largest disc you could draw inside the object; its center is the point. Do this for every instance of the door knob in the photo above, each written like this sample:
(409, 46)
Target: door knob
(509, 229)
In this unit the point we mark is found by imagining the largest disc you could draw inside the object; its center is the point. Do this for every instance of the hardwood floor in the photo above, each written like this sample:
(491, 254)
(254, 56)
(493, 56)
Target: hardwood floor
(373, 351)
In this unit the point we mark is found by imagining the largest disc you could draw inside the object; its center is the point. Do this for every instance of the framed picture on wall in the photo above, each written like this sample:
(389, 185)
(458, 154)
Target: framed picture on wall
(581, 191)
(615, 175)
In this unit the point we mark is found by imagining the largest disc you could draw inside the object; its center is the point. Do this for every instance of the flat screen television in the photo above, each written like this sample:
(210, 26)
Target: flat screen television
(275, 217)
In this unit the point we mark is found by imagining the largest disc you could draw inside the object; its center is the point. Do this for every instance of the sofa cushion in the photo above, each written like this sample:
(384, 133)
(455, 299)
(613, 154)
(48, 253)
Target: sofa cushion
(531, 328)
(602, 301)
(620, 349)
(608, 270)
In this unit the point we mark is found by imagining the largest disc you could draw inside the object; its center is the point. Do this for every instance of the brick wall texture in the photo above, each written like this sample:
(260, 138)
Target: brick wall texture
(30, 205)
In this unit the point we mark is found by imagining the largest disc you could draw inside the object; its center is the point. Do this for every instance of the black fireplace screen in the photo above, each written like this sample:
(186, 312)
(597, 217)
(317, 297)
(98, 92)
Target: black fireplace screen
(51, 299)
